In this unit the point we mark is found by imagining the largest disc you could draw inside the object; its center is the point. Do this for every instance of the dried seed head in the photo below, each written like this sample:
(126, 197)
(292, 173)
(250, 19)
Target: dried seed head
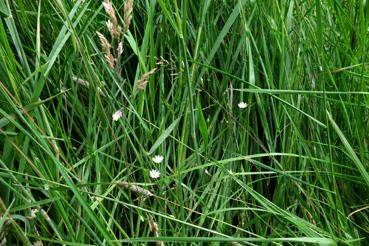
(104, 43)
(116, 31)
(128, 7)
(106, 50)
(120, 48)
(110, 26)
(113, 26)
(154, 229)
(135, 188)
(109, 9)
(153, 226)
(84, 83)
(110, 60)
(142, 82)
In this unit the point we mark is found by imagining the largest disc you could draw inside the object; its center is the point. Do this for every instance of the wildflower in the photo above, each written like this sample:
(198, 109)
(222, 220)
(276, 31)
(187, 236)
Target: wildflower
(154, 174)
(117, 115)
(242, 105)
(157, 159)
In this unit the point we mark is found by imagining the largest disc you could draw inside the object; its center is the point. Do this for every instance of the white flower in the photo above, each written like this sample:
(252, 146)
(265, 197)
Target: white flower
(154, 174)
(242, 105)
(157, 159)
(117, 115)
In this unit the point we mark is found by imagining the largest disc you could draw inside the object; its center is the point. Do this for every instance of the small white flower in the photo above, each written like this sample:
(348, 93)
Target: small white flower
(117, 115)
(46, 187)
(157, 159)
(242, 105)
(154, 174)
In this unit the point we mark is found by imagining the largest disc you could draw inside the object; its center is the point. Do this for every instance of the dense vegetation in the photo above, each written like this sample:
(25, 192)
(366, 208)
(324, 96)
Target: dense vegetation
(260, 110)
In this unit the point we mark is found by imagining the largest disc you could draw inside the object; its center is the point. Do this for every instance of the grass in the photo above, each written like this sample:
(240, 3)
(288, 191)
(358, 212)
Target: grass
(289, 169)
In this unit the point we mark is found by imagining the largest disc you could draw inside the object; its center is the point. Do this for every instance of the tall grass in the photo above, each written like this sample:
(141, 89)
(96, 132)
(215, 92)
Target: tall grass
(289, 169)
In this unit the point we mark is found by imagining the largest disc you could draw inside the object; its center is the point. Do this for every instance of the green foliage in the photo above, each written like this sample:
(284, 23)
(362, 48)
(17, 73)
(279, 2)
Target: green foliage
(289, 169)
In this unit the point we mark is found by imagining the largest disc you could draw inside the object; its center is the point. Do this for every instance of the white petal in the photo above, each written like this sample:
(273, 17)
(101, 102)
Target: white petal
(158, 158)
(117, 115)
(154, 174)
(242, 105)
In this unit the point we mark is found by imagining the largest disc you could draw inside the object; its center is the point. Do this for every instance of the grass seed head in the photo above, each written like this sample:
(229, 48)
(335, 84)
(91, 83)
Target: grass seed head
(120, 48)
(128, 8)
(112, 24)
(135, 188)
(142, 82)
(105, 45)
(154, 229)
(110, 60)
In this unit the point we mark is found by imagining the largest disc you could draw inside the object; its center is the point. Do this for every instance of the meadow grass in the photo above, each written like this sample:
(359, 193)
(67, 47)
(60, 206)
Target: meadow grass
(260, 110)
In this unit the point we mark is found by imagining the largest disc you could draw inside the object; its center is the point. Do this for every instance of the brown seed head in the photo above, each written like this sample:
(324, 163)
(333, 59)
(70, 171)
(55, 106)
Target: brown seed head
(142, 82)
(104, 42)
(128, 8)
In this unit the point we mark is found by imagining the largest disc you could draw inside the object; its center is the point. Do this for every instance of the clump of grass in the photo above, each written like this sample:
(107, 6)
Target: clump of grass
(201, 122)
